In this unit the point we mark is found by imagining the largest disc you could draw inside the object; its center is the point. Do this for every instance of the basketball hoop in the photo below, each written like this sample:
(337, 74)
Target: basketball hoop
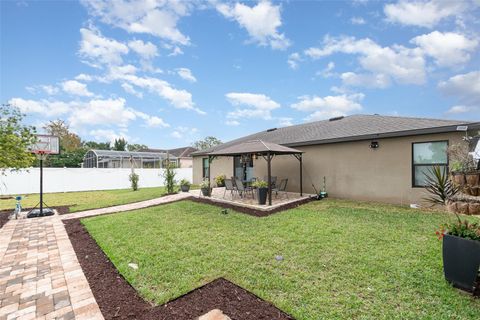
(43, 146)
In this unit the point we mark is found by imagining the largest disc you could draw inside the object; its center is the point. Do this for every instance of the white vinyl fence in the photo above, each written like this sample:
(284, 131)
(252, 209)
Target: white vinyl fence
(81, 179)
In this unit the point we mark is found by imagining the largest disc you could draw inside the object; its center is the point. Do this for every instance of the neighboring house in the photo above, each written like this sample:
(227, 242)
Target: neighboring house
(184, 155)
(363, 157)
(127, 159)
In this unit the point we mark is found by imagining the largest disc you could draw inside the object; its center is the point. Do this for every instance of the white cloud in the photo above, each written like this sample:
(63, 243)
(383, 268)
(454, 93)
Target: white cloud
(158, 18)
(48, 89)
(182, 132)
(423, 13)
(108, 135)
(254, 106)
(327, 72)
(76, 88)
(176, 52)
(357, 20)
(459, 109)
(464, 86)
(293, 60)
(99, 50)
(130, 89)
(448, 49)
(402, 64)
(232, 123)
(43, 107)
(261, 22)
(151, 121)
(102, 112)
(84, 77)
(146, 50)
(329, 106)
(285, 121)
(186, 74)
(365, 80)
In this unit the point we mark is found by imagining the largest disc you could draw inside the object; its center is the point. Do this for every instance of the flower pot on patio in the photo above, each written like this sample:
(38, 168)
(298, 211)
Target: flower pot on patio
(205, 192)
(185, 188)
(262, 195)
(461, 259)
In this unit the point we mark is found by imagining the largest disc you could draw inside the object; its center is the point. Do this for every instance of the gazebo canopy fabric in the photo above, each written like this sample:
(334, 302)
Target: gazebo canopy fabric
(254, 147)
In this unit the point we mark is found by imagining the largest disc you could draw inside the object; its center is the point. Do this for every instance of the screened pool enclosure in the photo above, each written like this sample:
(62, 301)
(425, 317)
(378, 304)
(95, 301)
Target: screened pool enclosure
(127, 159)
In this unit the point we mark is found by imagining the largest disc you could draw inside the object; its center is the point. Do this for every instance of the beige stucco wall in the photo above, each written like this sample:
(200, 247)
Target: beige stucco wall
(352, 169)
(220, 165)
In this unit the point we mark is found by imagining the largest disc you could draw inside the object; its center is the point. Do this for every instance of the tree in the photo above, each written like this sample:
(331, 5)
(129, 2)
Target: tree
(119, 144)
(69, 141)
(97, 145)
(136, 147)
(15, 138)
(206, 143)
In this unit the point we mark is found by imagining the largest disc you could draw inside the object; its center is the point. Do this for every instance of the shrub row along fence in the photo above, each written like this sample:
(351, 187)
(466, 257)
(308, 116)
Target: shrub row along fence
(82, 179)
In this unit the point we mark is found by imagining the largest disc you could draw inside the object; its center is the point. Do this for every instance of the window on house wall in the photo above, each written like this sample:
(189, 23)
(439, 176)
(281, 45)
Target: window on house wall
(205, 167)
(426, 155)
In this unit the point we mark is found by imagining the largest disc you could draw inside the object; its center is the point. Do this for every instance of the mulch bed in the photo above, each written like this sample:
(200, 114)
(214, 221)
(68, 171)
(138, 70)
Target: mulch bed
(4, 217)
(251, 211)
(117, 299)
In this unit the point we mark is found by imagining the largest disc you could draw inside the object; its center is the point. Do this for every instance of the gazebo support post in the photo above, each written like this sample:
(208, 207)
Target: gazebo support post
(299, 158)
(269, 166)
(210, 159)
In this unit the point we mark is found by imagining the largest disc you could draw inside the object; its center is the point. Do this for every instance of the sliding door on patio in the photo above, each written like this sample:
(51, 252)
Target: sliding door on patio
(243, 168)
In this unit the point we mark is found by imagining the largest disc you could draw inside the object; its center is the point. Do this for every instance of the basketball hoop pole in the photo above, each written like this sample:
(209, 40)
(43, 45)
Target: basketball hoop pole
(41, 184)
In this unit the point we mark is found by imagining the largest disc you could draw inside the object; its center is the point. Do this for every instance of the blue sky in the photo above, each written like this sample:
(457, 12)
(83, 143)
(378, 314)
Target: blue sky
(166, 73)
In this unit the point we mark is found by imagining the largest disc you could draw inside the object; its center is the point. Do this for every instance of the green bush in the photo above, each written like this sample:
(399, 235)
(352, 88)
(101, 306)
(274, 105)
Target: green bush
(169, 178)
(439, 186)
(260, 184)
(185, 182)
(220, 180)
(134, 178)
(204, 184)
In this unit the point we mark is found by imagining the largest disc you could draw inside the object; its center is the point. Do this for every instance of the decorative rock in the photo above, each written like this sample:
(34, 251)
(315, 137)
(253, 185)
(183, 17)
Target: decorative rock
(134, 266)
(279, 258)
(214, 314)
(474, 208)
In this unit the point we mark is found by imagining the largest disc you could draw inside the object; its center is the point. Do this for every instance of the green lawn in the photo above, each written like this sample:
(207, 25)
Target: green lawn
(80, 201)
(342, 259)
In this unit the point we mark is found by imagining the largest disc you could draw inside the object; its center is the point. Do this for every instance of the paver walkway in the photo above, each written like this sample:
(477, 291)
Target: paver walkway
(40, 276)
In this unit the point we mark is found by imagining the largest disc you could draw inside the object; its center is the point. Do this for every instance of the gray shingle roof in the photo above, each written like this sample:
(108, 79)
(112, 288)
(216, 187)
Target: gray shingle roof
(254, 146)
(350, 128)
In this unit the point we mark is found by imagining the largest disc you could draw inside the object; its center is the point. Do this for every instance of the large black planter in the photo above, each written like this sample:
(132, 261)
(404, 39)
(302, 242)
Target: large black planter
(185, 188)
(262, 195)
(461, 259)
(206, 192)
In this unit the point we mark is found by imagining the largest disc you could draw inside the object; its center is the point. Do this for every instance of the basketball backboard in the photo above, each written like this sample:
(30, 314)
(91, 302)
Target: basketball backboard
(46, 144)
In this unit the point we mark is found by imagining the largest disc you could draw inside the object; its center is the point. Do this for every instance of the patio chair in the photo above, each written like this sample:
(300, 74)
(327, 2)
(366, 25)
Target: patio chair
(274, 181)
(282, 187)
(241, 189)
(229, 186)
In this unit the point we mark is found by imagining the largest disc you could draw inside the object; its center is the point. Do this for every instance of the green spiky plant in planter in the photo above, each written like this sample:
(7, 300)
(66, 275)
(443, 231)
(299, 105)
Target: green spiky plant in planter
(220, 180)
(262, 191)
(461, 239)
(185, 185)
(205, 188)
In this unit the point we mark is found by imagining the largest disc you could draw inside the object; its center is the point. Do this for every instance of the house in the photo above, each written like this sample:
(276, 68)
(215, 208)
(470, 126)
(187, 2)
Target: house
(362, 157)
(183, 154)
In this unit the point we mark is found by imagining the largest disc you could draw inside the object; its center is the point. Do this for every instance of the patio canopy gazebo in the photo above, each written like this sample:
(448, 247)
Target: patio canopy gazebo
(258, 148)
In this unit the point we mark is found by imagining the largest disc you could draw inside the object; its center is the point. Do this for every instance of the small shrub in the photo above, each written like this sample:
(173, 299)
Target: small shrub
(185, 182)
(134, 178)
(169, 178)
(260, 184)
(459, 228)
(204, 184)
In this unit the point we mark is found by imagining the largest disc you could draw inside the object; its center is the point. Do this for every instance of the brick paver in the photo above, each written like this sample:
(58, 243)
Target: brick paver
(40, 276)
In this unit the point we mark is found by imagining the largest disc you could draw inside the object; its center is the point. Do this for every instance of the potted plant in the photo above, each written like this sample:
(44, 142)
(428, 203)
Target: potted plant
(205, 188)
(185, 185)
(262, 191)
(461, 253)
(220, 180)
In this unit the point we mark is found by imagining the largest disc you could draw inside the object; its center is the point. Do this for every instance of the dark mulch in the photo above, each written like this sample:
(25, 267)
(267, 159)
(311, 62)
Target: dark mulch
(4, 217)
(118, 300)
(250, 211)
